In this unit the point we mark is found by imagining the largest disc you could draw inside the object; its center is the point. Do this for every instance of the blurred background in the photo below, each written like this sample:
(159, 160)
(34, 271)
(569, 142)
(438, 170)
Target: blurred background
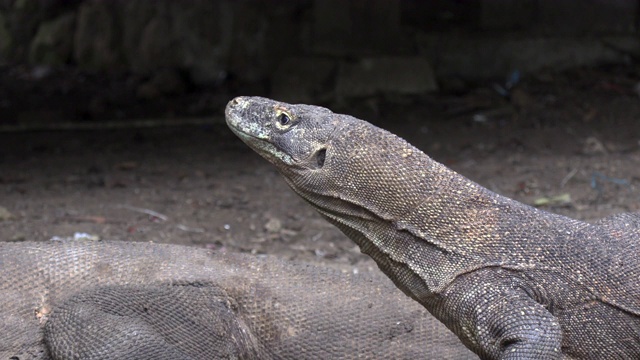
(112, 124)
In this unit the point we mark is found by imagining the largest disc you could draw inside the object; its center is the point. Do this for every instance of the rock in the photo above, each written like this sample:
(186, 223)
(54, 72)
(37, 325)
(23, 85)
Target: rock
(53, 43)
(356, 27)
(77, 237)
(22, 19)
(194, 38)
(453, 85)
(18, 237)
(332, 21)
(147, 91)
(164, 82)
(155, 48)
(250, 57)
(25, 5)
(274, 225)
(206, 27)
(5, 214)
(586, 17)
(593, 146)
(136, 17)
(484, 57)
(5, 39)
(623, 44)
(507, 14)
(304, 80)
(169, 82)
(401, 75)
(98, 105)
(521, 99)
(96, 40)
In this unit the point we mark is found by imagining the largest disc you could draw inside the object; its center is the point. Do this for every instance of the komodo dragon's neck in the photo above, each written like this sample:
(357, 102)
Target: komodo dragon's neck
(425, 217)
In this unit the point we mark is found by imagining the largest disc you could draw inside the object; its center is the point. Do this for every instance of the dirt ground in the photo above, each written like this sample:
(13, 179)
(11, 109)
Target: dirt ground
(568, 142)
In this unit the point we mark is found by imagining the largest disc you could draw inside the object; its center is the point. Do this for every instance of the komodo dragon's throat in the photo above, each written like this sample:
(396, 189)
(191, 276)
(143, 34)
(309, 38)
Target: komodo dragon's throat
(510, 280)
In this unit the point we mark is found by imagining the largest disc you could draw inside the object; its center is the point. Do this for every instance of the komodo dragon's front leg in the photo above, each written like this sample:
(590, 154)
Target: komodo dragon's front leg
(492, 314)
(510, 280)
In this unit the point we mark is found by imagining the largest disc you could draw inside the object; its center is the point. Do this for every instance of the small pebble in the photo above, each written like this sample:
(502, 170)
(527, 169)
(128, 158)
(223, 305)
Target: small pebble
(5, 214)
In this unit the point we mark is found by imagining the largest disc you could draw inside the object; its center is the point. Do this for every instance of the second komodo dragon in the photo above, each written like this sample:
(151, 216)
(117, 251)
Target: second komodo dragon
(121, 300)
(512, 281)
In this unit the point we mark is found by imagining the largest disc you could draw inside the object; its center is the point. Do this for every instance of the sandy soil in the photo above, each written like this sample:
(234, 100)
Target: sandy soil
(571, 140)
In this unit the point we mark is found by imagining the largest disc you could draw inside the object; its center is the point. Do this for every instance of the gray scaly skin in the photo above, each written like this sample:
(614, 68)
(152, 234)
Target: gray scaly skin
(120, 300)
(512, 281)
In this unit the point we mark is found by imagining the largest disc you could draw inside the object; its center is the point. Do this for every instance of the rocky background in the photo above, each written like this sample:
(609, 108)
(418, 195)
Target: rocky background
(317, 51)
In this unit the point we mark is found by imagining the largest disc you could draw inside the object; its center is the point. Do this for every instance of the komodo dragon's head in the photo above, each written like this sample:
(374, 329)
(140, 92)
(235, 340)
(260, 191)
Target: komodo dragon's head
(373, 185)
(344, 166)
(292, 137)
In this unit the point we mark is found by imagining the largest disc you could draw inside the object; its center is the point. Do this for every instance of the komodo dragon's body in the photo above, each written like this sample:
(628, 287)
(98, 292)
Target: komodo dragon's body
(512, 281)
(119, 300)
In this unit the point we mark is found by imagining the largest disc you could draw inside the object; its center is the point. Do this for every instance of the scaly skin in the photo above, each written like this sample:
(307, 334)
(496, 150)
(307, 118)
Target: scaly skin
(123, 300)
(512, 281)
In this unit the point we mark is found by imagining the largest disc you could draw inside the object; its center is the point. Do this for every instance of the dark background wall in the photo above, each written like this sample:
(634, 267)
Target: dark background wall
(316, 50)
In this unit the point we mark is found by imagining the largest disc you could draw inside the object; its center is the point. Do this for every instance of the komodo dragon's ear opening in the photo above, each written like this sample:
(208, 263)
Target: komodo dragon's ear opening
(320, 157)
(508, 344)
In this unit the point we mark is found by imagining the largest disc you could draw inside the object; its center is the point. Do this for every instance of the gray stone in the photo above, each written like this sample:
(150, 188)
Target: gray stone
(147, 91)
(331, 26)
(22, 19)
(357, 27)
(209, 38)
(466, 57)
(558, 54)
(507, 14)
(624, 44)
(5, 214)
(484, 57)
(401, 75)
(156, 46)
(560, 17)
(304, 80)
(569, 17)
(286, 35)
(163, 82)
(274, 225)
(53, 43)
(25, 5)
(249, 53)
(167, 34)
(5, 39)
(136, 16)
(97, 41)
(169, 82)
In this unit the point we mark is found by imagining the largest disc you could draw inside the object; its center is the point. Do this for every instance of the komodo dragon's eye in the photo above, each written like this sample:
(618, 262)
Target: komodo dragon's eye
(284, 119)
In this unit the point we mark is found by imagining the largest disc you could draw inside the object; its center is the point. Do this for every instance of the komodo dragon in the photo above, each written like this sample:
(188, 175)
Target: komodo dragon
(120, 300)
(512, 281)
